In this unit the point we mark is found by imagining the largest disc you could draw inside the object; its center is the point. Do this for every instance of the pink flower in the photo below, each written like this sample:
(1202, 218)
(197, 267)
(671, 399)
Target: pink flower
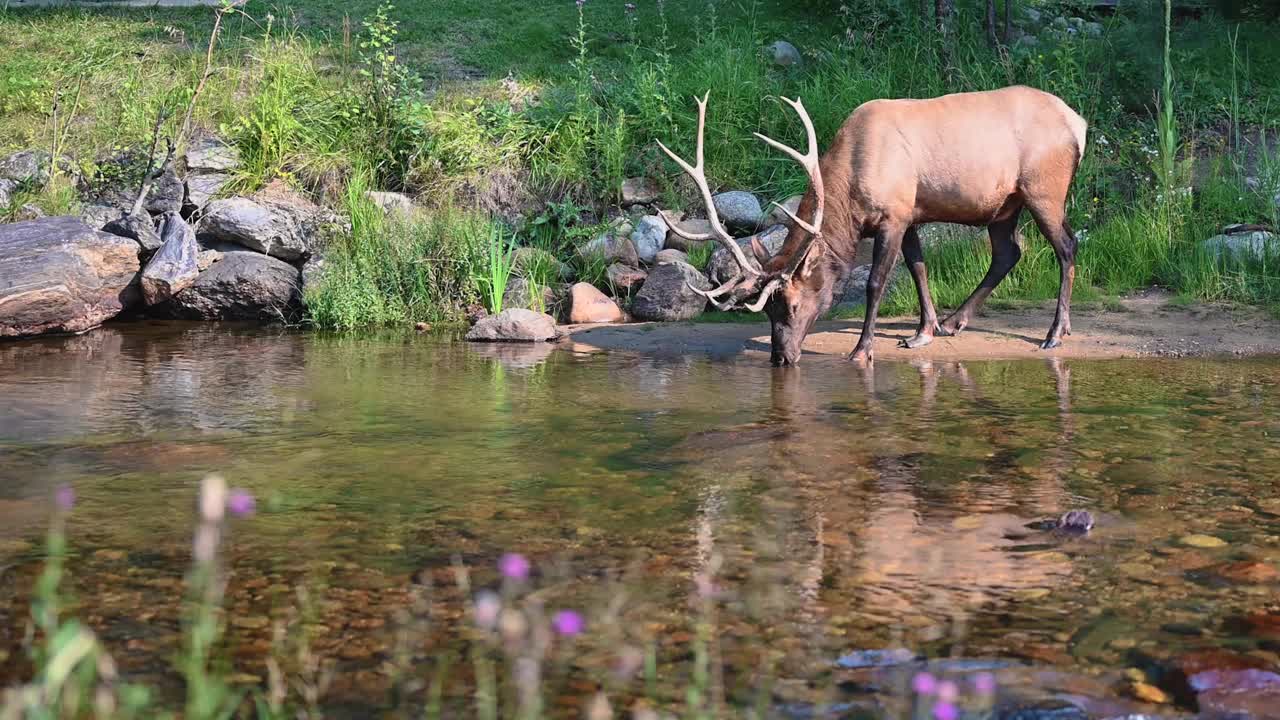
(948, 692)
(240, 502)
(924, 684)
(488, 606)
(946, 711)
(568, 623)
(514, 566)
(984, 683)
(65, 498)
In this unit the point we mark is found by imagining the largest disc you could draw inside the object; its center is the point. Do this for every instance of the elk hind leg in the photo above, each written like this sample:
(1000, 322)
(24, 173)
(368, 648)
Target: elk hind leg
(1053, 225)
(913, 254)
(1005, 253)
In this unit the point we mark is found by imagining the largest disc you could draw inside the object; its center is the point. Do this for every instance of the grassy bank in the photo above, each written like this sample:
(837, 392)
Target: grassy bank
(519, 120)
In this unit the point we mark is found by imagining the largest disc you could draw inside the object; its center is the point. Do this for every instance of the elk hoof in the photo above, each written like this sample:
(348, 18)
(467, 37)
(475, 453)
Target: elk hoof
(1051, 343)
(860, 357)
(951, 328)
(918, 340)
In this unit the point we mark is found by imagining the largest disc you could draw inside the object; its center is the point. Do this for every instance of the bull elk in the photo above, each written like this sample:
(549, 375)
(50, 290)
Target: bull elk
(976, 158)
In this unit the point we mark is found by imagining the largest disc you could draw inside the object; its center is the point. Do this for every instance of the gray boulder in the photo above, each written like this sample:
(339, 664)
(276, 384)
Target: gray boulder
(640, 191)
(529, 295)
(514, 325)
(612, 248)
(168, 193)
(26, 167)
(392, 203)
(59, 275)
(850, 291)
(175, 265)
(722, 266)
(625, 279)
(7, 190)
(778, 217)
(258, 226)
(784, 54)
(531, 260)
(692, 226)
(140, 228)
(739, 211)
(96, 216)
(243, 285)
(671, 255)
(666, 294)
(312, 272)
(648, 237)
(1240, 246)
(211, 164)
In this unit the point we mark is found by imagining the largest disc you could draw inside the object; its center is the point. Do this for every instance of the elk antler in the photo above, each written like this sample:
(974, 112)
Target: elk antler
(718, 231)
(810, 163)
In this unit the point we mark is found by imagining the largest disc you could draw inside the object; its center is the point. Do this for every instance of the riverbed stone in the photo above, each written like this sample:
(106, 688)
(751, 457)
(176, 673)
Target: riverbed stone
(514, 325)
(1252, 245)
(527, 294)
(139, 227)
(625, 279)
(267, 228)
(669, 256)
(589, 305)
(692, 226)
(666, 294)
(168, 193)
(393, 204)
(1202, 541)
(649, 237)
(175, 265)
(739, 211)
(26, 167)
(613, 248)
(243, 285)
(59, 275)
(784, 54)
(640, 191)
(210, 164)
(7, 190)
(526, 260)
(722, 266)
(776, 214)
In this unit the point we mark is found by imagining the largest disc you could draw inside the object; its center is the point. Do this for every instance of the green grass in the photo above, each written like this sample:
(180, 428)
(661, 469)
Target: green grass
(528, 115)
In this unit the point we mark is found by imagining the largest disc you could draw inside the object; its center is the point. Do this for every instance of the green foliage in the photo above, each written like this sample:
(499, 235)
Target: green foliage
(494, 270)
(389, 270)
(700, 254)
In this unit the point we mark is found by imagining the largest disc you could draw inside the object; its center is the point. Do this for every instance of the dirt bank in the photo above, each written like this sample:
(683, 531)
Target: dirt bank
(1150, 324)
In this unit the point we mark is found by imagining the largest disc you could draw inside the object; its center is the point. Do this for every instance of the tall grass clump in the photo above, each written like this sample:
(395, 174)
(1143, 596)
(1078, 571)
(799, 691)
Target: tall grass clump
(391, 269)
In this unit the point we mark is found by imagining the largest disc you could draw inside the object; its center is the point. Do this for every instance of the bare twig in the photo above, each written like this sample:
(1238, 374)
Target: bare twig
(227, 7)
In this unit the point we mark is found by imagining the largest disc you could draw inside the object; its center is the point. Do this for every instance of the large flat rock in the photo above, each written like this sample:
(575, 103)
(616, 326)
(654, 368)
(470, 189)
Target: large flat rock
(59, 275)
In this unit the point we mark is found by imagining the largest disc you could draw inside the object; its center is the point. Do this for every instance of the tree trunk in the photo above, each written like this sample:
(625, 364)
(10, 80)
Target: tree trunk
(943, 11)
(1008, 4)
(989, 21)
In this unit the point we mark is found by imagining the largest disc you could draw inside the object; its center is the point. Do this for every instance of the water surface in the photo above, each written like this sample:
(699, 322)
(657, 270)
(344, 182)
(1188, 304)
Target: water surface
(839, 510)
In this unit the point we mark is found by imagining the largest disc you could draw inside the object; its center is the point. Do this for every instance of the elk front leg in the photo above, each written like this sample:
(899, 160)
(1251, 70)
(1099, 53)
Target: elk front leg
(883, 259)
(913, 254)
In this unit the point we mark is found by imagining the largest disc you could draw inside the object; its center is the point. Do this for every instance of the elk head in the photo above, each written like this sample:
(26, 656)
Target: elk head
(790, 286)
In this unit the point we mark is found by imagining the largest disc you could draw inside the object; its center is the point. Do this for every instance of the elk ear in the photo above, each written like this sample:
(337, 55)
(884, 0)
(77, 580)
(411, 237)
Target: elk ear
(758, 249)
(810, 263)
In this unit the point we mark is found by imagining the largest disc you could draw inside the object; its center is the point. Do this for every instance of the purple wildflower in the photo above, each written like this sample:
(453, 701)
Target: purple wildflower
(984, 683)
(65, 498)
(924, 684)
(581, 3)
(568, 623)
(629, 8)
(946, 711)
(240, 502)
(514, 566)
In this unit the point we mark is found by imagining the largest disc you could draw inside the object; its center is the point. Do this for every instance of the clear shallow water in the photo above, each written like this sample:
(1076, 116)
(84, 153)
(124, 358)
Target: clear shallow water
(845, 511)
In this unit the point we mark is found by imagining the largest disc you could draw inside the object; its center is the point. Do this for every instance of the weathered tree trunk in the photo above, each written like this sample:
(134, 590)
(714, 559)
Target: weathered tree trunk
(989, 21)
(943, 11)
(174, 267)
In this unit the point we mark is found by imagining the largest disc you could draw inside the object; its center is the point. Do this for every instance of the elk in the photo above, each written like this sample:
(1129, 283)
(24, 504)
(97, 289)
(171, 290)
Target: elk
(975, 158)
